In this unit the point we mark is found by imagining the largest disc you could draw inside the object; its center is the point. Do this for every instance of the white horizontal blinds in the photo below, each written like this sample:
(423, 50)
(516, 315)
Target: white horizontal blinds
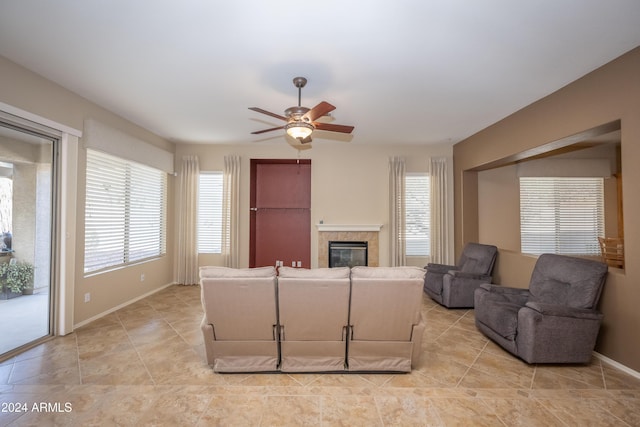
(417, 215)
(147, 212)
(125, 212)
(210, 213)
(561, 215)
(105, 211)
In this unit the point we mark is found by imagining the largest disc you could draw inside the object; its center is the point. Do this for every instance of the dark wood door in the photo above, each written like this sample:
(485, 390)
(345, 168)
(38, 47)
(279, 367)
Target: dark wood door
(280, 228)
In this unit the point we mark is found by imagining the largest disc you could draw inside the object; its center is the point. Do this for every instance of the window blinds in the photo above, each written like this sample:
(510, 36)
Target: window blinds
(125, 212)
(417, 215)
(561, 215)
(210, 213)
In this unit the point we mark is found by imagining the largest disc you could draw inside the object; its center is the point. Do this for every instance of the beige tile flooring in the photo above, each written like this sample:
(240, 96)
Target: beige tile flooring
(144, 365)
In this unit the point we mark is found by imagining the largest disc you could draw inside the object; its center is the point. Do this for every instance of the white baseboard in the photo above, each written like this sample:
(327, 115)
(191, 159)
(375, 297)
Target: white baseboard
(617, 365)
(118, 307)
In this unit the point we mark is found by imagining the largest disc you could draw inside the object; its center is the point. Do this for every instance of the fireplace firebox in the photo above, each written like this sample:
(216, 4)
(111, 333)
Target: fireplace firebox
(348, 254)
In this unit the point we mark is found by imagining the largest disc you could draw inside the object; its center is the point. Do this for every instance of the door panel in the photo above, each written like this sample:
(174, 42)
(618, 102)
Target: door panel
(283, 185)
(280, 212)
(27, 189)
(282, 234)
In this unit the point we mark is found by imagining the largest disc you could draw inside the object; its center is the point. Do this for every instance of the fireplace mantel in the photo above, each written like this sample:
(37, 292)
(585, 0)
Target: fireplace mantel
(349, 227)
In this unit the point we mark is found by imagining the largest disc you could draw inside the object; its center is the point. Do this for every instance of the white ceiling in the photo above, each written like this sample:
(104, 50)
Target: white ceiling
(406, 71)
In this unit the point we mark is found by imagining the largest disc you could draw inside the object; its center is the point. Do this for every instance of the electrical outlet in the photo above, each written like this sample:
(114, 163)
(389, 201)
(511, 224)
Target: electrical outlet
(87, 297)
(142, 277)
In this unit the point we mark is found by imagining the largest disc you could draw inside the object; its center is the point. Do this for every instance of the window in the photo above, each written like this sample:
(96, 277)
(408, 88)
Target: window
(417, 215)
(125, 212)
(561, 215)
(210, 213)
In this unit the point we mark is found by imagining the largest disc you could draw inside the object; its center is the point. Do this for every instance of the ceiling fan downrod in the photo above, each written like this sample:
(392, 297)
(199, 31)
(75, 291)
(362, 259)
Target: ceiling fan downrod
(299, 82)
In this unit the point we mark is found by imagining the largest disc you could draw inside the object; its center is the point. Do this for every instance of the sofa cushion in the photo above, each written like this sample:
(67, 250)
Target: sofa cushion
(220, 272)
(387, 272)
(314, 273)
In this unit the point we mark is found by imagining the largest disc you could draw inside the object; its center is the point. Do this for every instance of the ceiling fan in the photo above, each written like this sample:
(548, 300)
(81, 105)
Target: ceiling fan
(301, 121)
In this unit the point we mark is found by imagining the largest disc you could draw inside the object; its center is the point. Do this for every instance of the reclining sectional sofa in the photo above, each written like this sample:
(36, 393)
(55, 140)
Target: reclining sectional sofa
(363, 319)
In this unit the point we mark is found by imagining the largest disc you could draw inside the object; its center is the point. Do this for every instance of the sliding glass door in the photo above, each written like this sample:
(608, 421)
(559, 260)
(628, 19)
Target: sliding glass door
(27, 184)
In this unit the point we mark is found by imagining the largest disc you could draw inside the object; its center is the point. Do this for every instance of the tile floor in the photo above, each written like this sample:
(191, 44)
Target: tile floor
(144, 365)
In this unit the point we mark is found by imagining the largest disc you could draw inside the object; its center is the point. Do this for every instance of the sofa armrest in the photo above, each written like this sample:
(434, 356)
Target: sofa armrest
(564, 311)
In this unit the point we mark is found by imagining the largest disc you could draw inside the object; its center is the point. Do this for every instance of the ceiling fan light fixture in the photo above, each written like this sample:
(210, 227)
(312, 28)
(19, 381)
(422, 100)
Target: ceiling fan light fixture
(299, 130)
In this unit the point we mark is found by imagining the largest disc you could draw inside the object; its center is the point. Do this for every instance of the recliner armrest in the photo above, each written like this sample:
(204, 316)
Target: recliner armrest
(564, 311)
(486, 286)
(440, 268)
(496, 292)
(465, 275)
(490, 287)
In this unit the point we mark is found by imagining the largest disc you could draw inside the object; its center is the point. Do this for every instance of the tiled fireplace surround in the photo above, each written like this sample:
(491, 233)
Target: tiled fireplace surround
(348, 233)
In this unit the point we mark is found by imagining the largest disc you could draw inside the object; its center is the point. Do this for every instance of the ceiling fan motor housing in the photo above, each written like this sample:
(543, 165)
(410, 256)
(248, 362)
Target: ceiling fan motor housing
(296, 113)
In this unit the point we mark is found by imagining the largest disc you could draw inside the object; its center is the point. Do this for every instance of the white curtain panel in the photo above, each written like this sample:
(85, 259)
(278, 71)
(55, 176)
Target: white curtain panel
(440, 244)
(187, 255)
(230, 211)
(397, 211)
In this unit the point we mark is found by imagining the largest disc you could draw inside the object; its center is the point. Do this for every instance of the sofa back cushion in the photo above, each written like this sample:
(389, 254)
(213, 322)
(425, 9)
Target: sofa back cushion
(361, 272)
(385, 302)
(314, 273)
(214, 271)
(570, 281)
(313, 308)
(239, 303)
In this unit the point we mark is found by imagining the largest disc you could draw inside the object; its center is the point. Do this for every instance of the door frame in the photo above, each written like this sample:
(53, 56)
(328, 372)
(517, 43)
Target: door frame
(64, 213)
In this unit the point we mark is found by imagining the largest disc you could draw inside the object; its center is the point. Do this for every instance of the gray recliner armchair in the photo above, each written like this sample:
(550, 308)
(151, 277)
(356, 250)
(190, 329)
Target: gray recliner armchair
(555, 320)
(453, 285)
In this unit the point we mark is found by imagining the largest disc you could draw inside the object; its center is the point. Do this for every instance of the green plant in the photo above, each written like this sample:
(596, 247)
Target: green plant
(17, 276)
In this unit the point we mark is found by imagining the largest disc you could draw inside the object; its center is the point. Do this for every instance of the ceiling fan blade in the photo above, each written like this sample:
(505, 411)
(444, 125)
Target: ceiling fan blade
(305, 140)
(266, 130)
(333, 128)
(319, 111)
(268, 113)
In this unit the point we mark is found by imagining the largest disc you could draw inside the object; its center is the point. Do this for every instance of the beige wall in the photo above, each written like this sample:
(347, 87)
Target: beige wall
(27, 91)
(610, 93)
(349, 183)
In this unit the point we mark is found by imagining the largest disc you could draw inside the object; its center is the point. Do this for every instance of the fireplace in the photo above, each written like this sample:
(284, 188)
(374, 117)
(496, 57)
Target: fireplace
(348, 254)
(349, 233)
